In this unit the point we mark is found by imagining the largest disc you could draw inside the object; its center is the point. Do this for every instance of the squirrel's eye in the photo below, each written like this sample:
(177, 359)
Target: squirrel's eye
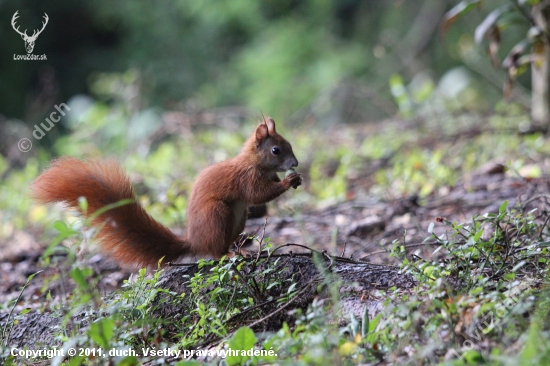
(276, 150)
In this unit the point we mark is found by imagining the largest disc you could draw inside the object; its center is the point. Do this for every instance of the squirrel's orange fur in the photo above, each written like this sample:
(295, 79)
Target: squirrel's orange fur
(216, 212)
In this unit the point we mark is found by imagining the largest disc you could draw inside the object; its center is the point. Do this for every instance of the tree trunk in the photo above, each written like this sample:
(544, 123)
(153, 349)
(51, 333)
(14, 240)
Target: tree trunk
(540, 69)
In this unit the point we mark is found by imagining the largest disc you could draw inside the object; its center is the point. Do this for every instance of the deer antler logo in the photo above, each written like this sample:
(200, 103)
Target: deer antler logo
(29, 41)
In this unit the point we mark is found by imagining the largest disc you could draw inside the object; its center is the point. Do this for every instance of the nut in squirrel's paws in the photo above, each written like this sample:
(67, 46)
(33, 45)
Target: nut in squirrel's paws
(295, 178)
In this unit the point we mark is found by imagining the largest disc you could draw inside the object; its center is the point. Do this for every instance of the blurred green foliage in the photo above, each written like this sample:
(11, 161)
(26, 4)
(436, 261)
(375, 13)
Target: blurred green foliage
(331, 59)
(420, 159)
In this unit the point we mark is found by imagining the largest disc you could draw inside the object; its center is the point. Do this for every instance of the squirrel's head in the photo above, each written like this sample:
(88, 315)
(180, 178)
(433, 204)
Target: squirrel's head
(272, 150)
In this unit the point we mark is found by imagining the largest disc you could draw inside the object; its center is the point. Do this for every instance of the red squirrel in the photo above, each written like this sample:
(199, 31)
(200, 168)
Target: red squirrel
(216, 211)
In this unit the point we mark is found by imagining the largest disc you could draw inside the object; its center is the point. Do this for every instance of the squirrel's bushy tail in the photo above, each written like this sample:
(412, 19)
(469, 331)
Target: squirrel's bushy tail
(127, 233)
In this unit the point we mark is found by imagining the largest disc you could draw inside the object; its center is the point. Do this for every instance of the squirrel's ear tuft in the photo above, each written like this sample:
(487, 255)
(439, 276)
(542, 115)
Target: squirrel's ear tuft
(270, 125)
(261, 133)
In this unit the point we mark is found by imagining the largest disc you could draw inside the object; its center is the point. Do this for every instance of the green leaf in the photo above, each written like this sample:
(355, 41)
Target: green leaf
(473, 357)
(77, 361)
(29, 279)
(243, 340)
(476, 291)
(531, 347)
(60, 226)
(129, 361)
(478, 235)
(102, 331)
(372, 328)
(142, 272)
(78, 276)
(83, 204)
(503, 207)
(111, 206)
(365, 322)
(456, 12)
(354, 324)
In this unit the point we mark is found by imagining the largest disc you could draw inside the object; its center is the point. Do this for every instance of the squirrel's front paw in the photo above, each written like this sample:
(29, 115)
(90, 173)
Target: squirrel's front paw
(293, 180)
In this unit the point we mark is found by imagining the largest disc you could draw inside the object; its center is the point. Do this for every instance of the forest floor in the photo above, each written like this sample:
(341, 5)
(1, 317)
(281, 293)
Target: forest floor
(358, 229)
(362, 228)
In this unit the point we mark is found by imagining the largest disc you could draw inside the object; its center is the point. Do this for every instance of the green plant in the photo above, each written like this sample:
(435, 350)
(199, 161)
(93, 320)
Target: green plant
(473, 295)
(492, 247)
(6, 330)
(533, 50)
